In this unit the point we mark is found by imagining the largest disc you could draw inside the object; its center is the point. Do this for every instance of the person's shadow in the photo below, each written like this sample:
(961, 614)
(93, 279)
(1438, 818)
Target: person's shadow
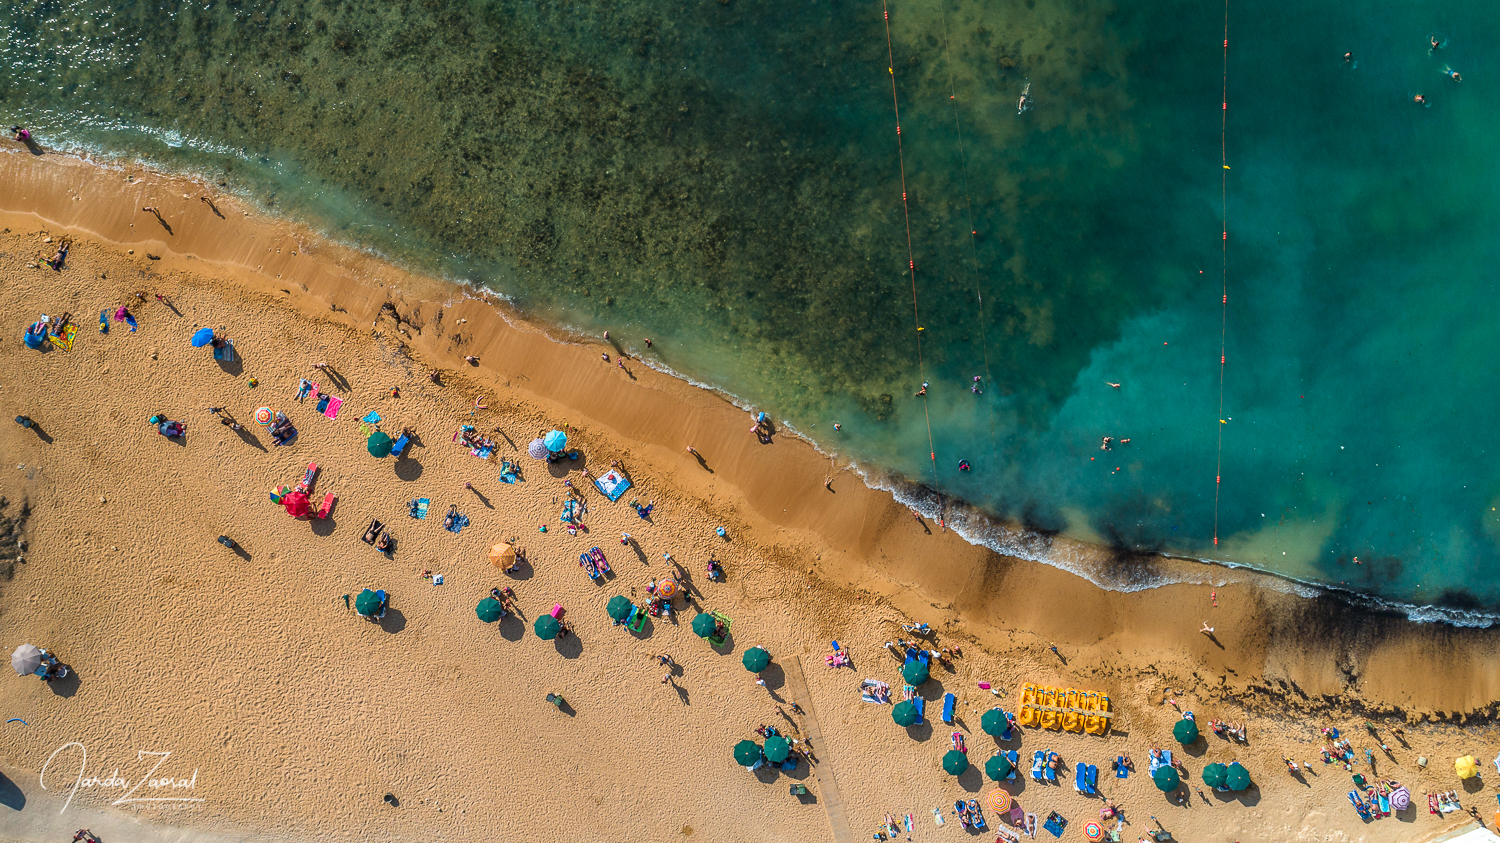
(702, 463)
(32, 146)
(164, 224)
(339, 381)
(249, 438)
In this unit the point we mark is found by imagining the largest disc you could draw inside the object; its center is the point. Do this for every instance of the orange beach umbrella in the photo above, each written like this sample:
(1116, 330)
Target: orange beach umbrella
(502, 554)
(999, 800)
(666, 588)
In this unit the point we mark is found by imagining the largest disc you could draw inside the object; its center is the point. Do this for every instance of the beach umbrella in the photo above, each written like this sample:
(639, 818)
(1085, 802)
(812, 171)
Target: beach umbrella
(502, 554)
(756, 659)
(997, 768)
(489, 610)
(1466, 767)
(546, 627)
(904, 713)
(746, 753)
(777, 749)
(704, 625)
(278, 493)
(367, 603)
(1238, 778)
(667, 588)
(999, 800)
(203, 337)
(379, 444)
(619, 608)
(915, 672)
(264, 416)
(26, 659)
(992, 722)
(1093, 831)
(296, 504)
(1166, 779)
(1214, 775)
(955, 762)
(1400, 799)
(555, 441)
(537, 449)
(1185, 732)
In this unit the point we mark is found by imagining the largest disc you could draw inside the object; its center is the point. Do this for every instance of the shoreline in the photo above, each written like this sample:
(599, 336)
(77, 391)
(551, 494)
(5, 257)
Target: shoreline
(1097, 564)
(353, 287)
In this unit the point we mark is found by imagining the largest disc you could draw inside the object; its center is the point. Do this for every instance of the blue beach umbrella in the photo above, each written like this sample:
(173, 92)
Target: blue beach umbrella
(555, 441)
(203, 337)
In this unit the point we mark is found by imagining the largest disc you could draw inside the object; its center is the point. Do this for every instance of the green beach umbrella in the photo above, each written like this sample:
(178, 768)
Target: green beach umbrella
(489, 610)
(915, 673)
(746, 753)
(1214, 775)
(992, 722)
(904, 713)
(1185, 732)
(756, 659)
(955, 762)
(704, 625)
(1237, 778)
(997, 768)
(618, 608)
(1166, 779)
(379, 445)
(546, 627)
(367, 603)
(777, 749)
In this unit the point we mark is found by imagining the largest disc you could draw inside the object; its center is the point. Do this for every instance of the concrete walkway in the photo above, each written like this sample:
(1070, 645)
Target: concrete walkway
(828, 787)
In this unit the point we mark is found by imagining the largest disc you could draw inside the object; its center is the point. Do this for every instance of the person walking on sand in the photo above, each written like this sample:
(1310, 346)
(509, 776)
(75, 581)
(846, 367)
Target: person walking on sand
(1207, 630)
(693, 451)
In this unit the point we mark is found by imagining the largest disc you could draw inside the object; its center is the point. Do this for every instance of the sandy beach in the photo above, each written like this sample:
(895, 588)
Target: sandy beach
(297, 717)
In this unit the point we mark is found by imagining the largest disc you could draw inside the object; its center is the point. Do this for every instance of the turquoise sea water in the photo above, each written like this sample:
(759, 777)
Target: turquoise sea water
(725, 178)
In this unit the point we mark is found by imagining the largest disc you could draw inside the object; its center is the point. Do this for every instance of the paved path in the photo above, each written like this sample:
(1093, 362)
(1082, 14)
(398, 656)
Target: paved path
(828, 787)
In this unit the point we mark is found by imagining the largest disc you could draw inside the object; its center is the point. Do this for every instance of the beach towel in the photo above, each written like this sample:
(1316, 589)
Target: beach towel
(226, 353)
(304, 387)
(124, 315)
(483, 452)
(103, 321)
(418, 508)
(508, 472)
(1121, 771)
(323, 403)
(334, 403)
(875, 691)
(65, 339)
(612, 485)
(1164, 761)
(371, 417)
(291, 433)
(1055, 824)
(1031, 825)
(459, 522)
(937, 816)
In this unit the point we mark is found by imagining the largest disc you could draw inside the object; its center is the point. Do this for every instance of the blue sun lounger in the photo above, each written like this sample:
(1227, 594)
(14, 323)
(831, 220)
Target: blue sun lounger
(1038, 761)
(1015, 760)
(1079, 772)
(948, 701)
(400, 446)
(1009, 727)
(921, 706)
(1091, 780)
(1050, 770)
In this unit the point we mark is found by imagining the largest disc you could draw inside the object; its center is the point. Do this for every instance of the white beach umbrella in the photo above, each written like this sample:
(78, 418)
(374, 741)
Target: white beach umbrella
(26, 659)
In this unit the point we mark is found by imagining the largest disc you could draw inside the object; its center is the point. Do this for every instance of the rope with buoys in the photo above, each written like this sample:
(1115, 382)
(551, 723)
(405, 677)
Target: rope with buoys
(1223, 268)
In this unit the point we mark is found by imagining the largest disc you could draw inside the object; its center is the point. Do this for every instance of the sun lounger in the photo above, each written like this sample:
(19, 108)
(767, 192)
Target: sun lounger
(921, 706)
(1010, 727)
(1164, 761)
(1050, 770)
(1091, 780)
(600, 563)
(326, 508)
(400, 446)
(957, 739)
(948, 701)
(976, 815)
(1015, 760)
(588, 566)
(1038, 761)
(1079, 772)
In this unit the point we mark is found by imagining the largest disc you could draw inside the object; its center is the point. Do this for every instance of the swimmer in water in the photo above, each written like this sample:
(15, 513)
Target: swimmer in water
(1452, 74)
(1025, 101)
(1420, 100)
(1435, 44)
(963, 465)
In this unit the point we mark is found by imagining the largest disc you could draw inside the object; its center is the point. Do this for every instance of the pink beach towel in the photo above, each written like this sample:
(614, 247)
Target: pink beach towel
(334, 403)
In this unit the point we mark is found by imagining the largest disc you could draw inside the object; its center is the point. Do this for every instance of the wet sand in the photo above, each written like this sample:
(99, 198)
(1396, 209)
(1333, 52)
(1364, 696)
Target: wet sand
(299, 716)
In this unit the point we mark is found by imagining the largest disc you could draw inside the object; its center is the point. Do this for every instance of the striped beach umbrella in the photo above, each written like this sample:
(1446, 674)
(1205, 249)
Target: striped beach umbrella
(998, 800)
(264, 416)
(667, 588)
(1093, 831)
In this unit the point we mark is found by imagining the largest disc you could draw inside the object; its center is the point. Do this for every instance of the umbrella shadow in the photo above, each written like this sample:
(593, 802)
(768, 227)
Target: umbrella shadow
(646, 629)
(561, 468)
(394, 621)
(775, 677)
(727, 647)
(971, 779)
(324, 526)
(522, 571)
(1198, 748)
(570, 647)
(512, 627)
(768, 773)
(10, 794)
(409, 470)
(235, 367)
(920, 732)
(68, 685)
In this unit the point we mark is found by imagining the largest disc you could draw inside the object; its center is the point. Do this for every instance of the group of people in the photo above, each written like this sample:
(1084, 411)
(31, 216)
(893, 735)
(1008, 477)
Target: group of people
(1228, 730)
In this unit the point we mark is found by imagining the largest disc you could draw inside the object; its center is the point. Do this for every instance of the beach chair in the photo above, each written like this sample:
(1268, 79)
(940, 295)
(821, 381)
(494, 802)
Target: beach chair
(948, 701)
(588, 566)
(976, 815)
(1050, 770)
(1015, 761)
(1038, 761)
(1079, 772)
(326, 508)
(400, 446)
(1091, 780)
(1010, 726)
(921, 706)
(601, 564)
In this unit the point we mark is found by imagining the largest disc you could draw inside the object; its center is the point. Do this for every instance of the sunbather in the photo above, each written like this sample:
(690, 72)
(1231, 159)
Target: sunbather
(384, 543)
(449, 518)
